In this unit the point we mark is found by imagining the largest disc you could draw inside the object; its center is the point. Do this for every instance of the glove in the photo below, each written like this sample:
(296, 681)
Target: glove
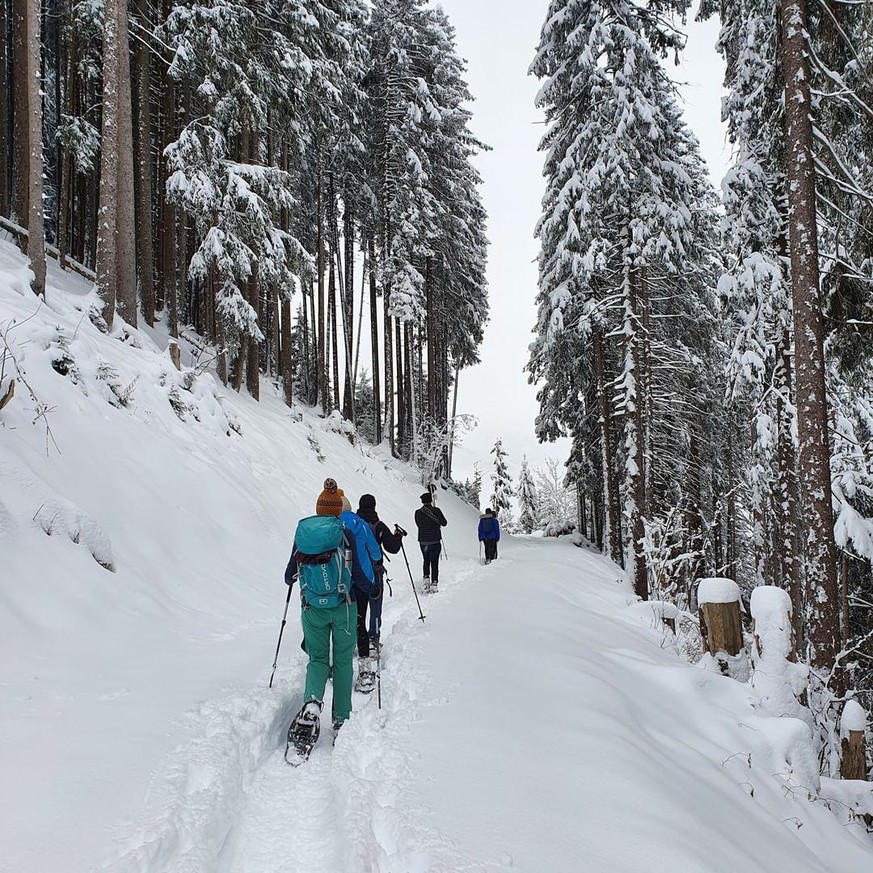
(399, 532)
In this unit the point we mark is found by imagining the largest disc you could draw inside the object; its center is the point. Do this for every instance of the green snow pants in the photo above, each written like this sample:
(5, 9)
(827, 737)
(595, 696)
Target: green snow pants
(318, 627)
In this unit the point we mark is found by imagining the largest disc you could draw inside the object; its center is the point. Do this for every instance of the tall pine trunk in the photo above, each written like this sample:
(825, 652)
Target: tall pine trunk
(814, 473)
(107, 219)
(125, 207)
(374, 343)
(20, 123)
(5, 106)
(321, 336)
(143, 176)
(635, 487)
(611, 534)
(35, 224)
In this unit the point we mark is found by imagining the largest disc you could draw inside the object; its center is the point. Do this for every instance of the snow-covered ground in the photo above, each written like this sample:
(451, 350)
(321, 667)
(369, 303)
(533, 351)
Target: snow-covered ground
(538, 719)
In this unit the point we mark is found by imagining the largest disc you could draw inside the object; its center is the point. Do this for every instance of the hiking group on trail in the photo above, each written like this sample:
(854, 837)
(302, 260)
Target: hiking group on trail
(337, 557)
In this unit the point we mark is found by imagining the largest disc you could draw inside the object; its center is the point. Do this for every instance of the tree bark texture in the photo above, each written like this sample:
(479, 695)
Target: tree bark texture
(35, 221)
(20, 126)
(5, 106)
(286, 358)
(143, 176)
(107, 215)
(812, 425)
(374, 343)
(125, 209)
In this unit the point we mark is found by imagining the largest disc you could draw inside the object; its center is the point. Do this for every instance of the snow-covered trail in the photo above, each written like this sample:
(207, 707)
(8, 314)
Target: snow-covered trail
(538, 720)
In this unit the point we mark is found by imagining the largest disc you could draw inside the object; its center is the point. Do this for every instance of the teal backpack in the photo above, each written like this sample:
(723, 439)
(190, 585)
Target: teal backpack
(323, 562)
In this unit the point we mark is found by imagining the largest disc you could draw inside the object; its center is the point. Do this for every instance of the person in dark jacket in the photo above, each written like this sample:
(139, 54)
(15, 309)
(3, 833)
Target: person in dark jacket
(389, 541)
(429, 520)
(489, 534)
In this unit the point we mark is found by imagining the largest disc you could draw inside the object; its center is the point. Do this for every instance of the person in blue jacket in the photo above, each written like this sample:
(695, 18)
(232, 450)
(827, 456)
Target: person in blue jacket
(489, 534)
(366, 554)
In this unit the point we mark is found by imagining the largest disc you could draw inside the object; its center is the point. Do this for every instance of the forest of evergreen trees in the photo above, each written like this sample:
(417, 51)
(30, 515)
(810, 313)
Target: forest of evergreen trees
(257, 176)
(711, 361)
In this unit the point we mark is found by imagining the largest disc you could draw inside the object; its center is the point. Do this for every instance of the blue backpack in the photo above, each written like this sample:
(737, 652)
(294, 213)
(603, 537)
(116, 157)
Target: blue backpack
(323, 561)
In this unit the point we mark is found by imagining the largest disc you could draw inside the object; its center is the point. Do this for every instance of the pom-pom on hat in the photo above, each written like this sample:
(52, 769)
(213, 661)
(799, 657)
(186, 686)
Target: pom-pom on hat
(330, 501)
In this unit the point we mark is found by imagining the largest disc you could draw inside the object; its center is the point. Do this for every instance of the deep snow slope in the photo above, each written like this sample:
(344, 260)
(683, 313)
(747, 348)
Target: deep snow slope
(102, 673)
(538, 719)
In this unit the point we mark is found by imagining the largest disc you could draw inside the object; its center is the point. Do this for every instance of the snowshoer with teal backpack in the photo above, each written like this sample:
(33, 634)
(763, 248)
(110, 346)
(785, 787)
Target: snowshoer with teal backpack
(323, 559)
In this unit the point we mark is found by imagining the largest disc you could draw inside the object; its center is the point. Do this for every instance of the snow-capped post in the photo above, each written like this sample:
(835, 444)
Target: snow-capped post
(718, 603)
(853, 752)
(780, 681)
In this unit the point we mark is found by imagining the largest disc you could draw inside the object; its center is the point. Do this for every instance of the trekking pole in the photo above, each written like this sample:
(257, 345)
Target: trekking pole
(409, 570)
(379, 663)
(281, 631)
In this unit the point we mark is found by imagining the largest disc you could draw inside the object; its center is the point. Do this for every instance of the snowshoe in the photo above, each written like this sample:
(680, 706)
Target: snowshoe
(366, 681)
(303, 733)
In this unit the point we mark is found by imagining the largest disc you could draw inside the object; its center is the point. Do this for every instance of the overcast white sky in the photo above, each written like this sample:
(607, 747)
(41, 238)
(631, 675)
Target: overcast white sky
(498, 38)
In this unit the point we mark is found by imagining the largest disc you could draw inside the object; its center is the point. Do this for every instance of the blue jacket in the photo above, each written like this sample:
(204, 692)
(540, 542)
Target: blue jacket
(365, 550)
(489, 528)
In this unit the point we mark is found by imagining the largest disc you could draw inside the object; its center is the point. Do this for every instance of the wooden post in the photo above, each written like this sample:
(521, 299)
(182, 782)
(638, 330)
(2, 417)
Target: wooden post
(720, 626)
(853, 751)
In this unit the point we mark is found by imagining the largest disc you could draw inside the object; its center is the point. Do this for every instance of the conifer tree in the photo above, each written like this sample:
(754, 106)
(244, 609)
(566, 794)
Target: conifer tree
(501, 497)
(628, 220)
(528, 502)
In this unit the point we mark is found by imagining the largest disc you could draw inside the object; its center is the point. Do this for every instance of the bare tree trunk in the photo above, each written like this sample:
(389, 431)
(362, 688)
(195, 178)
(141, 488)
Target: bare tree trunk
(812, 423)
(410, 371)
(165, 292)
(286, 359)
(20, 123)
(332, 327)
(347, 292)
(143, 178)
(402, 445)
(374, 344)
(430, 302)
(387, 328)
(126, 215)
(611, 535)
(321, 338)
(35, 224)
(107, 224)
(65, 164)
(788, 542)
(5, 106)
(454, 415)
(635, 493)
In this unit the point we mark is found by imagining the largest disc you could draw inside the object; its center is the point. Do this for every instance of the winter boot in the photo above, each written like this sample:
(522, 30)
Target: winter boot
(303, 733)
(425, 585)
(366, 680)
(336, 729)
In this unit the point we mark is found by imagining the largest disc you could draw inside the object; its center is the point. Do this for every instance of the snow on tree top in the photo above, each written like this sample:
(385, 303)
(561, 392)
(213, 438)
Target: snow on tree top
(717, 590)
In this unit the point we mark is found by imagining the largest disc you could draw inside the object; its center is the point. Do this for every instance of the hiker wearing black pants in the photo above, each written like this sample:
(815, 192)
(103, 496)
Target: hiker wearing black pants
(429, 520)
